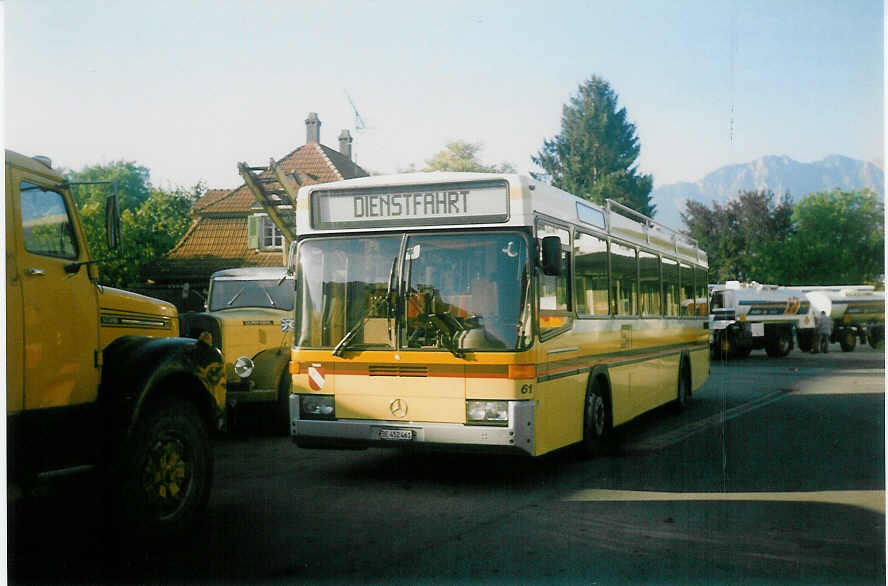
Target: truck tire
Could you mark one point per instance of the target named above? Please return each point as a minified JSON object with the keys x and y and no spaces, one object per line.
{"x":166,"y":470}
{"x":779,"y":343}
{"x":806,"y":340}
{"x":876,"y":336}
{"x":847,"y":340}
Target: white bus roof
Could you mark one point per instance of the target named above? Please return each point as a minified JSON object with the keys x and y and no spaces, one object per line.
{"x":369,"y":204}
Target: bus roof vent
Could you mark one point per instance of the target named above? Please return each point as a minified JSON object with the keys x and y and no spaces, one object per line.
{"x":732,"y":284}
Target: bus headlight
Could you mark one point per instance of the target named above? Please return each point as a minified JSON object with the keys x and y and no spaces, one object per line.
{"x":487,"y":412}
{"x":243,"y":367}
{"x":316,"y":407}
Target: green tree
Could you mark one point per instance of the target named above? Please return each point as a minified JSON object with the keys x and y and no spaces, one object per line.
{"x":152,"y":220}
{"x":595,"y":154}
{"x":743,"y":237}
{"x":460,"y":155}
{"x":838,"y":238}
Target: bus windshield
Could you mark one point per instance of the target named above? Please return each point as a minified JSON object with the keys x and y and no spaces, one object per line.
{"x":450,"y":292}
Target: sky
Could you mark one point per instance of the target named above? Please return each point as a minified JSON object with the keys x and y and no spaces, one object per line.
{"x":189,"y":88}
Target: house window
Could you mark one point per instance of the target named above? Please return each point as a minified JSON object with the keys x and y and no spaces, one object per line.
{"x":271,"y":237}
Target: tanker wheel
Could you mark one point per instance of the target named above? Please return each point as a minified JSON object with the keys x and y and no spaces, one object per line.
{"x":847,"y":340}
{"x":779,"y":344}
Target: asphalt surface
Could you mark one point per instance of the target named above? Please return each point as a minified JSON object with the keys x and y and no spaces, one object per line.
{"x":774,"y":475}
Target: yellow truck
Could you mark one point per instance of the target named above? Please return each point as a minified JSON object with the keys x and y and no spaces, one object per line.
{"x":249,"y":312}
{"x":98,"y":379}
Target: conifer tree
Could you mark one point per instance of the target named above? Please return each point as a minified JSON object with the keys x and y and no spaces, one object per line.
{"x":595,"y":154}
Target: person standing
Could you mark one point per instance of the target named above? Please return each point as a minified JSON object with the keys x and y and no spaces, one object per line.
{"x":824,"y":330}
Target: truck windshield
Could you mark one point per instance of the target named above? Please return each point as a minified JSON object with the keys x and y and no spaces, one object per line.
{"x":271,"y":293}
{"x":448,"y":292}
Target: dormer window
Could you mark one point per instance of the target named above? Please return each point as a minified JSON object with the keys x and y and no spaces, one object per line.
{"x":263,"y":234}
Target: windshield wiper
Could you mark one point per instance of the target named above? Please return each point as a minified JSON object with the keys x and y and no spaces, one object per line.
{"x":447,"y":326}
{"x":350,"y":335}
{"x":236,"y":295}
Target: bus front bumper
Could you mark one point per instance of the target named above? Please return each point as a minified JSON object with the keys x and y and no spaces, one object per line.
{"x":517,"y":436}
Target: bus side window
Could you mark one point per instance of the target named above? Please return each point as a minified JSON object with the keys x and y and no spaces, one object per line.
{"x":590,"y":262}
{"x":555,"y":291}
{"x":649,"y":287}
{"x":671,"y":294}
{"x":686,"y":274}
{"x":624,"y":285}
{"x":701,"y":278}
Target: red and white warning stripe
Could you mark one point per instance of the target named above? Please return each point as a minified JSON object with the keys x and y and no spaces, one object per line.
{"x":316,"y":378}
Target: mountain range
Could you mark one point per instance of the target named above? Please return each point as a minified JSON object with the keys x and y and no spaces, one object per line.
{"x":779,"y":174}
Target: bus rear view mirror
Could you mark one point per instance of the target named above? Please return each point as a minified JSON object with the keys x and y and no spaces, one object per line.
{"x":551,"y":256}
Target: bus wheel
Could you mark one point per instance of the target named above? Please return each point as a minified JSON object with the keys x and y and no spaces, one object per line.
{"x":282,"y":406}
{"x":847,"y":340}
{"x":683,"y":396}
{"x":167,"y":470}
{"x":875,"y":338}
{"x":597,"y":422}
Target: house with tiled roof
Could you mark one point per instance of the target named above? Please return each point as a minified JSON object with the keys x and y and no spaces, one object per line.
{"x":230,"y":228}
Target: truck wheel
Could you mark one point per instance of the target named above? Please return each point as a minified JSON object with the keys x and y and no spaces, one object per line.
{"x":282,"y":406}
{"x":779,"y":344}
{"x":806,"y":340}
{"x":167,"y":470}
{"x":597,"y":420}
{"x":875,"y":338}
{"x":847,"y":340}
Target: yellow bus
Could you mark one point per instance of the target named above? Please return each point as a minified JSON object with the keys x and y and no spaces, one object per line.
{"x":486,"y":311}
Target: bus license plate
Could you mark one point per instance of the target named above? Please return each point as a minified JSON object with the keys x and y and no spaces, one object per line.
{"x":396,"y":434}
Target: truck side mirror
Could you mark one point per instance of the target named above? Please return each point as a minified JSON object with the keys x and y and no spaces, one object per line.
{"x":112,"y":222}
{"x":551,"y":261}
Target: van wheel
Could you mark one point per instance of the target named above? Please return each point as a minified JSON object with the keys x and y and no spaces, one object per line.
{"x":282,"y":406}
{"x":167,"y":470}
{"x":597,"y":420}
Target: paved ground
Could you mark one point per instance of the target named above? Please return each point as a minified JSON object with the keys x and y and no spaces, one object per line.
{"x":774,"y":475}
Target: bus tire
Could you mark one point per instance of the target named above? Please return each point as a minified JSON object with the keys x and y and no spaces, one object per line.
{"x":282,"y":405}
{"x":683,"y":394}
{"x":847,"y":340}
{"x":166,"y":471}
{"x":597,"y":420}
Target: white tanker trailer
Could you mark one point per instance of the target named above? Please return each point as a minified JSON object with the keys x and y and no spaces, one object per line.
{"x":748,"y":316}
{"x":857,"y":313}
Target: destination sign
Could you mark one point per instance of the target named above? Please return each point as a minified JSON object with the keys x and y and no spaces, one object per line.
{"x":451,"y":203}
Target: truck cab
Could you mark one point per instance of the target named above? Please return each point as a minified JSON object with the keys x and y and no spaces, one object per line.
{"x":97,"y":378}
{"x":249,"y":312}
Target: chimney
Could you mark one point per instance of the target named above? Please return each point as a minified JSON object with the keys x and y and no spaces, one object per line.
{"x":345,"y":143}
{"x":312,"y":128}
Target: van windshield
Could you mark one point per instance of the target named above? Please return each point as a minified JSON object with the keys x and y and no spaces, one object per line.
{"x":448,"y":292}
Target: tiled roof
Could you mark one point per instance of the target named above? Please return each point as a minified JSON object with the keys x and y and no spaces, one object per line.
{"x":212,"y":244}
{"x":317,"y":164}
{"x":209,"y":197}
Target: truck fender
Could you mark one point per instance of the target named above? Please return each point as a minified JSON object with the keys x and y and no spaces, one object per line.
{"x":269,"y":365}
{"x":137,"y":368}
